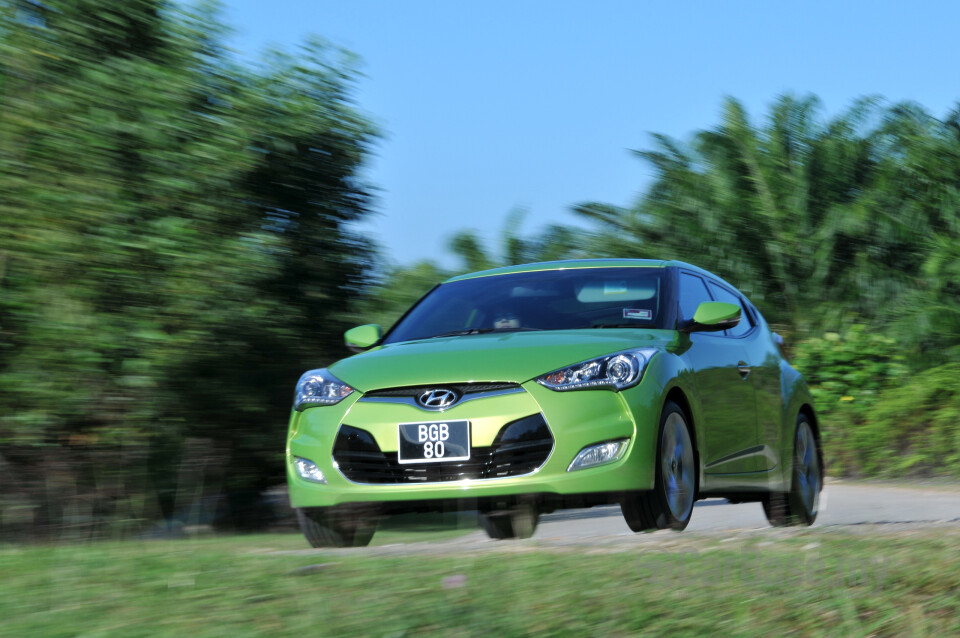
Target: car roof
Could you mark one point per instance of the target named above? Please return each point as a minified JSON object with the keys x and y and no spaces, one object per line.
{"x":572,"y":264}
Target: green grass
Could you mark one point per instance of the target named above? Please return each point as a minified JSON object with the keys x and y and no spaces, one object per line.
{"x":811,"y":582}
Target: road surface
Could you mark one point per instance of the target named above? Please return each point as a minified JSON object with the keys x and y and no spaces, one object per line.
{"x":846,"y":507}
{"x":841,"y":504}
{"x":849,"y":507}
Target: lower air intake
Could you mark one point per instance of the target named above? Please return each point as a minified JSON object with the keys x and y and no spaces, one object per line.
{"x":521,"y":447}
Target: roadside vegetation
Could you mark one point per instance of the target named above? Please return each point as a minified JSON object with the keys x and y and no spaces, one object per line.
{"x":178,"y":243}
{"x":880,"y":416}
{"x":802,"y":582}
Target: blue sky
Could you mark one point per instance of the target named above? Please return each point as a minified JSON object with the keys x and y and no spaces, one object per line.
{"x":490,"y":106}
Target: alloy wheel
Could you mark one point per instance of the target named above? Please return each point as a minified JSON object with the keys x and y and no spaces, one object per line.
{"x":677,"y":466}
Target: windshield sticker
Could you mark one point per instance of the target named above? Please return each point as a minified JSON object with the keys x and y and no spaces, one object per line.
{"x":637,"y":313}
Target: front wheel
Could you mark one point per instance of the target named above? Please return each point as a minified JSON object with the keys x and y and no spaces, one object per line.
{"x":670,"y":504}
{"x":801,"y":504}
{"x":324,"y":528}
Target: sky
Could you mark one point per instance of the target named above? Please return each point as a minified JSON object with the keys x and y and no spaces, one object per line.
{"x":488,"y":107}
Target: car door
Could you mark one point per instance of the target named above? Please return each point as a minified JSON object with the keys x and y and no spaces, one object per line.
{"x":728,"y":420}
{"x":763,"y":360}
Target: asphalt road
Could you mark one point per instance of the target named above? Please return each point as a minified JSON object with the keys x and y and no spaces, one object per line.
{"x":841,"y":505}
{"x":845,"y":507}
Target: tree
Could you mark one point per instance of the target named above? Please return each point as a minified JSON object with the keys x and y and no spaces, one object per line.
{"x":820,"y":222}
{"x":553,"y":242}
{"x":175,"y":248}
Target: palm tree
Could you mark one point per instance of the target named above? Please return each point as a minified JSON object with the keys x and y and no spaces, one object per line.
{"x":818,"y":221}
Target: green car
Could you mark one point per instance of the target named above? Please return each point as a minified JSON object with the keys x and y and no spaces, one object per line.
{"x":522,"y":390}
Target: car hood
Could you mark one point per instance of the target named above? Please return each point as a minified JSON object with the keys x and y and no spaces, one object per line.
{"x":512,"y":356}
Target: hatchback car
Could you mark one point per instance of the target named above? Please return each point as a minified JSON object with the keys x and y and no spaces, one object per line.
{"x":522,"y":390}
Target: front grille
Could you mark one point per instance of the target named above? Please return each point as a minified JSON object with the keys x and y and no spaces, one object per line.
{"x":519,"y":448}
{"x":459,"y":388}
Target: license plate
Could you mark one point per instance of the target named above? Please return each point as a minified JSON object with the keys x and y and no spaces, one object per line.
{"x":434,"y":442}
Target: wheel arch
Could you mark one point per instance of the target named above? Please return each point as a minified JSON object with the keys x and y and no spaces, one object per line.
{"x":678,"y":396}
{"x":807,"y":410}
{"x":797,"y":399}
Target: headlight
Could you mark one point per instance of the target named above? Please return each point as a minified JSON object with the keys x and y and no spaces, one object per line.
{"x":319,"y":387}
{"x":615,"y":371}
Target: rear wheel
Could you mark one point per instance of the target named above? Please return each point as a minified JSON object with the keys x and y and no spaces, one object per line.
{"x":519,"y":521}
{"x":325,"y":528}
{"x":670,"y":504}
{"x":801,"y":504}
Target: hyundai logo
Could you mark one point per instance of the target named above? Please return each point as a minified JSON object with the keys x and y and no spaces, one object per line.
{"x":438,"y":398}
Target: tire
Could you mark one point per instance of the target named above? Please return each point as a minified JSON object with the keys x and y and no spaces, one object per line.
{"x":670,"y":504}
{"x":323,"y":528}
{"x":519,"y":521}
{"x":801,"y":504}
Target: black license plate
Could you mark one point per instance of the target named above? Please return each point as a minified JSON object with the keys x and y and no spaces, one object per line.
{"x":434,"y":442}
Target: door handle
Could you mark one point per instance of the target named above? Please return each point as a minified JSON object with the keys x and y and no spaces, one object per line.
{"x":743,"y":369}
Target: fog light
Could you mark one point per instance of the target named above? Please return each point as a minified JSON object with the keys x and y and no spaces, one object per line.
{"x":599,"y":454}
{"x":309,"y":471}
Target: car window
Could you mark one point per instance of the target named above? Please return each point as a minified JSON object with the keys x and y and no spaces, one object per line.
{"x":571,"y":299}
{"x":722,"y":294}
{"x":692,"y":293}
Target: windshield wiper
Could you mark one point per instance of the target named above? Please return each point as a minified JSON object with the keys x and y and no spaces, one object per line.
{"x":523,"y":329}
{"x":460,"y":333}
{"x":619,"y":325}
{"x":479,"y":331}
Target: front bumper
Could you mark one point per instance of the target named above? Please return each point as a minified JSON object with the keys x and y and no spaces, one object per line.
{"x":576,"y":419}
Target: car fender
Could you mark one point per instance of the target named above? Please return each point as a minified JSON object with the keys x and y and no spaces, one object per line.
{"x":673,"y":374}
{"x":795,"y":394}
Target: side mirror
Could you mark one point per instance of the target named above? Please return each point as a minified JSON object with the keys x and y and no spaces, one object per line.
{"x":362,"y":337}
{"x":713,"y":316}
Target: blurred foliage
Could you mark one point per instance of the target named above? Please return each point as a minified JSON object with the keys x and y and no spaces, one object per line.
{"x":822,"y":223}
{"x":879,"y":418}
{"x":175,"y":249}
{"x":847,"y":374}
{"x":914,"y":429}
{"x":852,"y":368}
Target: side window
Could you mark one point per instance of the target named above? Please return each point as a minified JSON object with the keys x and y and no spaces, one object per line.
{"x":722,"y":294}
{"x":692,"y":293}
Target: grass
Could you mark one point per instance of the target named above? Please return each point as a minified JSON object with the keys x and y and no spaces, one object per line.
{"x":809,"y":582}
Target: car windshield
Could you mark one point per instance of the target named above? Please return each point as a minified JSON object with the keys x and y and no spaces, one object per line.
{"x":545,"y":300}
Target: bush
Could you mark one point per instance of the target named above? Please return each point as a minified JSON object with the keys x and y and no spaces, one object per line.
{"x":849,"y":369}
{"x":914,"y":429}
{"x":878,"y":419}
